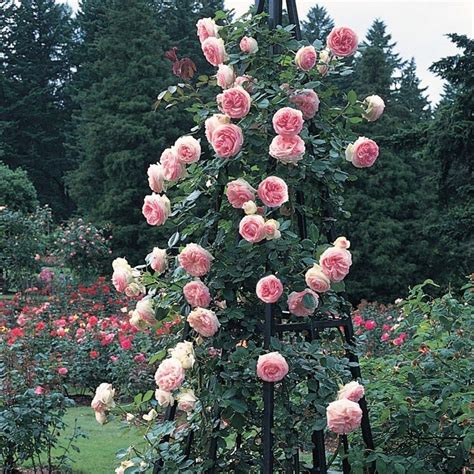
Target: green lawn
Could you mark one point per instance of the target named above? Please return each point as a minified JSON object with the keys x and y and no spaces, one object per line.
{"x":97,"y":452}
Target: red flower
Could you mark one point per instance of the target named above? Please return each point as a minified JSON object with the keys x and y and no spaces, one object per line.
{"x":93,"y":354}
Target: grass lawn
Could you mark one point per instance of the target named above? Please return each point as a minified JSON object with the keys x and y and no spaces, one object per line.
{"x":97,"y":452}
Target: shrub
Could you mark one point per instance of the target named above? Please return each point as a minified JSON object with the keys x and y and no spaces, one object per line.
{"x":17,"y":192}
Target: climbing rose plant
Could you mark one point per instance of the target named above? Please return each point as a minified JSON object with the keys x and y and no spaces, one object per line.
{"x":229,"y":197}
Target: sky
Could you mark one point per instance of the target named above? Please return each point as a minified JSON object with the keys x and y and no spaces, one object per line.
{"x":418,"y":27}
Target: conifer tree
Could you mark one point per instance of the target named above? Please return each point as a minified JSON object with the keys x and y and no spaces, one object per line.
{"x":317,"y":25}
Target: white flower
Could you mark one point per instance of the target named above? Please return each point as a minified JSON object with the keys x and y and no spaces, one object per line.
{"x":184,"y":352}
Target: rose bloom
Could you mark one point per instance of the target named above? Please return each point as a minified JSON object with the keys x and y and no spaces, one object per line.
{"x":62,"y":371}
{"x":225,"y":76}
{"x":186,"y":401}
{"x":104,"y":397}
{"x":296,"y":303}
{"x":362,"y":153}
{"x":317,"y":280}
{"x":342,"y":41}
{"x":213,"y":122}
{"x":101,"y":418}
{"x":39,"y":390}
{"x":249,"y":207}
{"x":227,"y":140}
{"x":335,"y":263}
{"x":307,"y":101}
{"x":273,"y":191}
{"x":288,"y":122}
{"x":214,"y":50}
{"x":272,"y":367}
{"x":195,"y":260}
{"x":252,"y":228}
{"x":287,"y":149}
{"x":184,"y":352}
{"x":342,"y":243}
{"x":157,"y":260}
{"x":248,"y":45}
{"x":269,"y":289}
{"x":170,"y":375}
{"x":305,"y":58}
{"x":188,"y":149}
{"x":234,"y":102}
{"x":374,"y":108}
{"x":239,"y":192}
{"x":206,"y":27}
{"x":245,"y":81}
{"x":144,"y":308}
{"x":344,"y":416}
{"x":271,"y":229}
{"x":197,"y":294}
{"x":370,"y":325}
{"x":156,"y":209}
{"x":353,"y":391}
{"x":122,"y":276}
{"x":203,"y":321}
{"x":163,"y":398}
{"x":156,"y":178}
{"x":324,"y":60}
{"x":173,"y":169}
{"x":385,"y":337}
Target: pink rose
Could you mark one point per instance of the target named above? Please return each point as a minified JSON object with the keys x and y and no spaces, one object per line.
{"x":245,"y":81}
{"x":305,"y":58}
{"x":39,"y":390}
{"x":186,"y":401}
{"x":362,"y":153}
{"x":197,"y":294}
{"x":203,"y":321}
{"x":272,"y":229}
{"x":62,"y":371}
{"x":170,"y":375}
{"x":173,"y":169}
{"x":296,"y":303}
{"x":374,"y":108}
{"x":121,"y":278}
{"x":195,"y":260}
{"x":156,"y":209}
{"x":344,"y":416}
{"x":227,"y":140}
{"x":273,"y":191}
{"x":188,"y":149}
{"x":239,"y":192}
{"x":225,"y":76}
{"x":252,"y":228}
{"x":272,"y":367}
{"x":156,"y":178}
{"x":144,"y":309}
{"x":324,"y":60}
{"x":307,"y":101}
{"x":213,"y":122}
{"x":385,"y":337}
{"x":370,"y":325}
{"x":335,"y":263}
{"x":235,"y":102}
{"x":342,"y":41}
{"x":287,"y":149}
{"x":317,"y":280}
{"x":269,"y":289}
{"x":206,"y":27}
{"x":157,"y":260}
{"x":342,"y":243}
{"x":214,"y":50}
{"x":288,"y":122}
{"x":353,"y":391}
{"x":248,"y":45}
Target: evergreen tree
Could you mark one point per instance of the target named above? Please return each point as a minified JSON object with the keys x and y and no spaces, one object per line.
{"x":317,"y":25}
{"x":35,"y":37}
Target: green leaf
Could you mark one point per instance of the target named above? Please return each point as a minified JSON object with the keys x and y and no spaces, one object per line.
{"x":157,"y":357}
{"x":338,"y":286}
{"x":147,"y":396}
{"x":352,"y":97}
{"x":355,"y":119}
{"x":309,"y":301}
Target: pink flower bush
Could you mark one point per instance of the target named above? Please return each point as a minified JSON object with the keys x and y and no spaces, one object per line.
{"x":169,"y":375}
{"x":206,"y":27}
{"x":227,"y":140}
{"x":188,"y":149}
{"x":157,"y":260}
{"x":307,"y":101}
{"x":335,"y":263}
{"x":156,"y":178}
{"x":287,"y":149}
{"x":203,"y":321}
{"x":252,"y":228}
{"x":272,"y":367}
{"x":195,"y":260}
{"x":362,"y":153}
{"x":234,"y":102}
{"x":273,"y":191}
{"x":156,"y":209}
{"x":296,"y":303}
{"x":352,"y":391}
{"x":305,"y":58}
{"x":214,"y":50}
{"x":173,"y":169}
{"x":288,"y":122}
{"x":239,"y":192}
{"x":197,"y":294}
{"x":225,"y":76}
{"x":374,"y":107}
{"x":342,"y":41}
{"x":248,"y":45}
{"x":213,"y":122}
{"x":317,"y":280}
{"x":343,"y":416}
{"x":269,"y":289}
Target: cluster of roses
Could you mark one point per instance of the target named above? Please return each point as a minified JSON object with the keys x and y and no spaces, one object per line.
{"x":103,"y":401}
